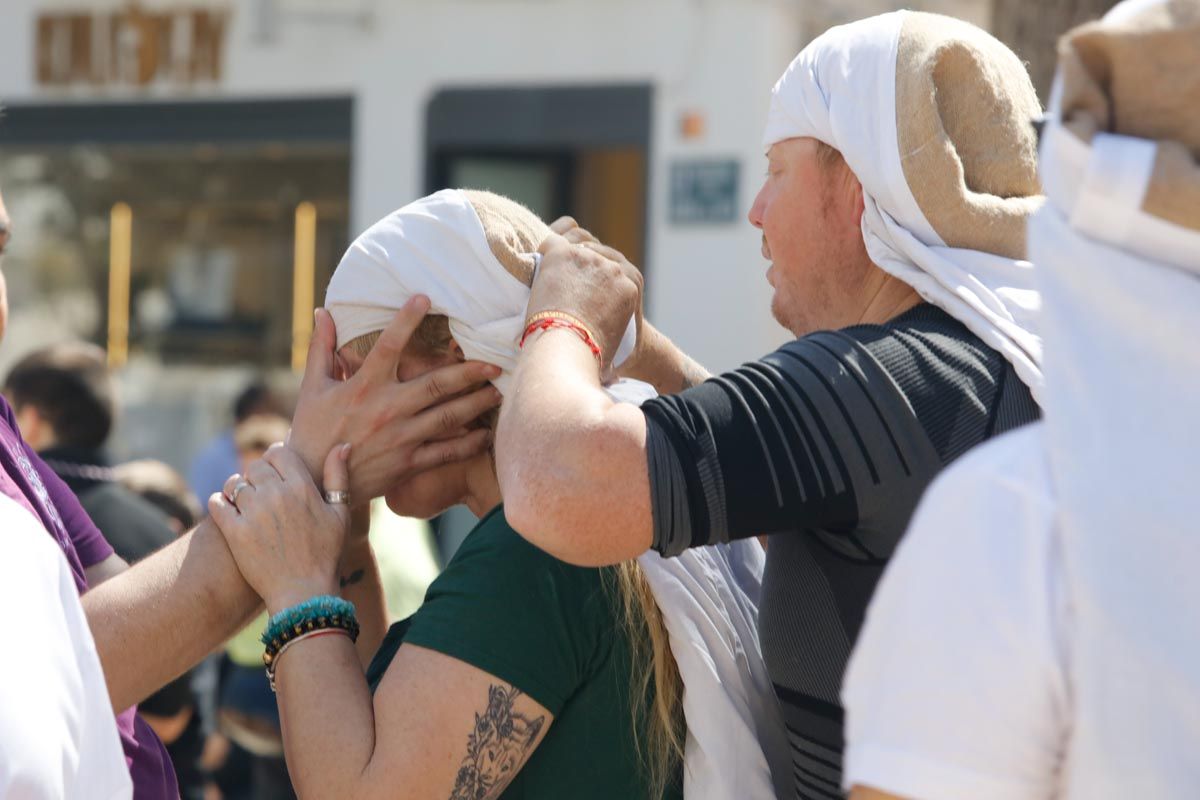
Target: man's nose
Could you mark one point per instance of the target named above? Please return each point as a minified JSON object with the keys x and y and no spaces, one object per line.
{"x":756,"y":210}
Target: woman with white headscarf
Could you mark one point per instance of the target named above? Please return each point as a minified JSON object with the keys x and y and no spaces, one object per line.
{"x":521,"y":676}
{"x":1036,"y":636}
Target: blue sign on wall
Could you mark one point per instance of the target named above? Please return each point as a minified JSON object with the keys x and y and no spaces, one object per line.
{"x":704,"y":191}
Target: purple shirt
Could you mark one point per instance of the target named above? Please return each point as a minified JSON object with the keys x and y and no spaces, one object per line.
{"x":28,"y":481}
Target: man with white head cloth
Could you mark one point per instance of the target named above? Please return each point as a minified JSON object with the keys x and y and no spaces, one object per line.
{"x":1035,"y":635}
{"x":901,"y":173}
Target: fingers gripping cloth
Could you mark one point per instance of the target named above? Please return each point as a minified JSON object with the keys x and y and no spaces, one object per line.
{"x":473,"y":254}
{"x":933,"y":117}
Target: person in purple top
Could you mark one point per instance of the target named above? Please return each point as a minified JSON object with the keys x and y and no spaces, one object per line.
{"x":155,"y":620}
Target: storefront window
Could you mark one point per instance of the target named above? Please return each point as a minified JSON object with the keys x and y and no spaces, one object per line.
{"x":211,"y":244}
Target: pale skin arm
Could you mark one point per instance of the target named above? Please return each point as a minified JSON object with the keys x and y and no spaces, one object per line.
{"x":156,"y":620}
{"x":421,"y":734}
{"x":572,"y":463}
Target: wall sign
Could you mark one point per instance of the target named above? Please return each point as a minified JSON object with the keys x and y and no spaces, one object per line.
{"x":130,"y":47}
{"x":704,"y":191}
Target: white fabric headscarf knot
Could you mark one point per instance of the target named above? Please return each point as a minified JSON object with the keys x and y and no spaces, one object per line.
{"x":437,"y":246}
{"x":842,"y":90}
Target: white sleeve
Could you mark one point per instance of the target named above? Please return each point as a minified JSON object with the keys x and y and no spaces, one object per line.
{"x":955,"y":688}
{"x":58,"y":734}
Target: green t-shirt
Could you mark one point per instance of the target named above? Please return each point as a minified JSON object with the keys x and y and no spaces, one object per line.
{"x":550,"y":630}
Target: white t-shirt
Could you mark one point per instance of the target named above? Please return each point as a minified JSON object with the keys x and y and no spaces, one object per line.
{"x":58,"y":735}
{"x":961,"y":684}
{"x":957,"y":686}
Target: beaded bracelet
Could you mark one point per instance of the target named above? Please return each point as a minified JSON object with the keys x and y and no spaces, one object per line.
{"x":325,"y":612}
{"x":274,"y":665}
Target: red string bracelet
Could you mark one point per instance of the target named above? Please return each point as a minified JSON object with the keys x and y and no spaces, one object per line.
{"x":546,"y":320}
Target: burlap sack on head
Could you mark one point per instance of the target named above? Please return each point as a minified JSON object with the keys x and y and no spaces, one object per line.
{"x":964,"y":113}
{"x":1141,"y":78}
{"x":513,"y":232}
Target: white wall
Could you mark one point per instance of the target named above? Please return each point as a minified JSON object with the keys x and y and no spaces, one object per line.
{"x":717,"y":57}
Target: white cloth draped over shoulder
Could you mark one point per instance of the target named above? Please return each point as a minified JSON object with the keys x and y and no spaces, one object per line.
{"x":1118,"y":254}
{"x":842,"y":89}
{"x":437,"y":246}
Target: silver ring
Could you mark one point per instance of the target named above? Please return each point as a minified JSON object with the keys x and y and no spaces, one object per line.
{"x":237,"y":490}
{"x":337,"y":498}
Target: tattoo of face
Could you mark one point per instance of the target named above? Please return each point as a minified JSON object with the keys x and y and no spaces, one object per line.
{"x":352,"y":578}
{"x":497,"y":748}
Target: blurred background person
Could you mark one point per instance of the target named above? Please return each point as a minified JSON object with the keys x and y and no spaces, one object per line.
{"x":200,"y":749}
{"x":162,"y":486}
{"x":220,"y":458}
{"x":65,"y":404}
{"x":254,"y":767}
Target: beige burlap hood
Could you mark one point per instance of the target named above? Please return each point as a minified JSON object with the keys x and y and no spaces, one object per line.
{"x":934,"y":117}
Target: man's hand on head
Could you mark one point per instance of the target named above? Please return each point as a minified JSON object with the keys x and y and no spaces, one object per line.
{"x":655,"y":360}
{"x":396,"y":428}
{"x":593,"y":283}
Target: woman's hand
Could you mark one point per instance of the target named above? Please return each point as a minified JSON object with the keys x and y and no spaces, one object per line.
{"x":286,"y":539}
{"x":397,"y":428}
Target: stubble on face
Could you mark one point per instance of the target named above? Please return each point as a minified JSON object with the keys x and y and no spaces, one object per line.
{"x":821,"y":265}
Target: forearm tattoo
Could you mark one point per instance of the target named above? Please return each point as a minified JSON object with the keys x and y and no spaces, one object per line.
{"x":352,"y":578}
{"x":497,"y":748}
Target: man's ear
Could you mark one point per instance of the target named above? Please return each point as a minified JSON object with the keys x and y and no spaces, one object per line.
{"x":857,"y":203}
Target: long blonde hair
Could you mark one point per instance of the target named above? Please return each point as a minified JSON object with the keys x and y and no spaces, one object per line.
{"x":656,"y":690}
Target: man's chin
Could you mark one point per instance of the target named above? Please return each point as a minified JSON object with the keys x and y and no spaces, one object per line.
{"x":794,"y":323}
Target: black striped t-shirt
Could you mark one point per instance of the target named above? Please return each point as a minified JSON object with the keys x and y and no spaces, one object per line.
{"x":826,"y":446}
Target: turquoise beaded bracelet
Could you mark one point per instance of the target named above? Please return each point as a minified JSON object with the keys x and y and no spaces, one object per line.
{"x":314,"y":614}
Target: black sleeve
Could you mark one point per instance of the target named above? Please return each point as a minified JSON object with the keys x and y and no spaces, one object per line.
{"x":816,"y":436}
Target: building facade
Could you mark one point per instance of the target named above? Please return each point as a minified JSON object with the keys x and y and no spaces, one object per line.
{"x":184,"y":174}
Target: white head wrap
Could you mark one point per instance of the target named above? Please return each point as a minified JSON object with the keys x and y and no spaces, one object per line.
{"x":1118,"y":253}
{"x":843,"y":90}
{"x":436,"y":246}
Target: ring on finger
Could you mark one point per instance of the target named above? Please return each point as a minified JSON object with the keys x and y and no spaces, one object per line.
{"x":337,"y":497}
{"x":238,"y":488}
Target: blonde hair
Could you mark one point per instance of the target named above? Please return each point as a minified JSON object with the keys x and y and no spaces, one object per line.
{"x":656,"y":694}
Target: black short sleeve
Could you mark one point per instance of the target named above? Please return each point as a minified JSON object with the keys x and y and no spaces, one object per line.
{"x":836,"y":432}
